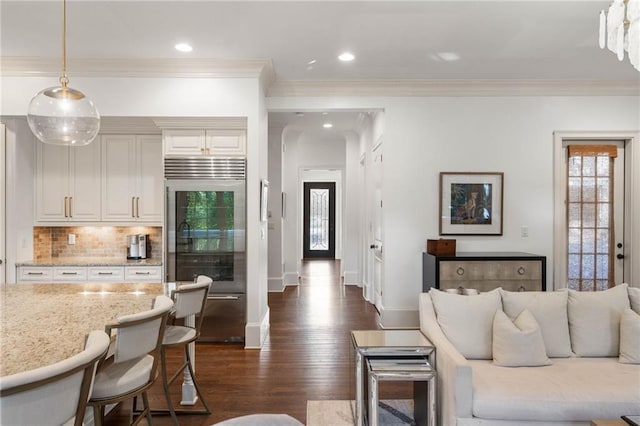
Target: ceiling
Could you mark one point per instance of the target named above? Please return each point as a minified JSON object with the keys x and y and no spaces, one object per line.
{"x":391,"y":40}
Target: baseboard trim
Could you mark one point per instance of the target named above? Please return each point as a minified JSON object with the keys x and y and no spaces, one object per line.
{"x":290,"y":278}
{"x":351,"y":278}
{"x":256,"y":332}
{"x":275,"y":284}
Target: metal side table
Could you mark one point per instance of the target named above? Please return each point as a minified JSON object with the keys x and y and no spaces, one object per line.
{"x":388,"y":344}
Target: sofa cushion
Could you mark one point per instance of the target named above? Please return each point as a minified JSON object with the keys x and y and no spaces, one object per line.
{"x":518,"y":343}
{"x":571,"y":389}
{"x":630,"y":338}
{"x":467,"y":321}
{"x":634,"y":298}
{"x":550,"y":311}
{"x":594,"y":320}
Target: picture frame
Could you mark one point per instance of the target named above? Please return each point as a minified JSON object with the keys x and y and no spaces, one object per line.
{"x":471,"y":203}
{"x":264,"y":199}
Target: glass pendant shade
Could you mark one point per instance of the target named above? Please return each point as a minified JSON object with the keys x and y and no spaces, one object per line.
{"x":63,"y":116}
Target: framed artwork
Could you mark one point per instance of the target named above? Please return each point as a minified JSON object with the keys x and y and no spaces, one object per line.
{"x":471,"y":203}
{"x":264,"y":198}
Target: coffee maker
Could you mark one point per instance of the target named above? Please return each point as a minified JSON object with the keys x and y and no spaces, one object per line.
{"x":138,"y":246}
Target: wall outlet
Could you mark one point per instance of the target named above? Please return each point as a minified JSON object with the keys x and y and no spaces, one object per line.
{"x":72,"y":239}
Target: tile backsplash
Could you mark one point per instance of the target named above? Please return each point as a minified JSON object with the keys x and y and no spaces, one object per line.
{"x":91,"y":241}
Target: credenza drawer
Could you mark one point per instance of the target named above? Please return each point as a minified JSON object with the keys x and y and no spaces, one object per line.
{"x":106,"y":273}
{"x":143,"y":273}
{"x":496,"y":270}
{"x":69,"y":273}
{"x":34,"y":273}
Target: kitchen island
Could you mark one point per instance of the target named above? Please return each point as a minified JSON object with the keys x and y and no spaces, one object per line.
{"x":45,"y":323}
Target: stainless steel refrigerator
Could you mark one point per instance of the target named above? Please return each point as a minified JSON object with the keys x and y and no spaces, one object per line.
{"x":205,"y":235}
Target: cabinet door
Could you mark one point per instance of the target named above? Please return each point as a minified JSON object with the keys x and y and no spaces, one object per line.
{"x":118,"y":178}
{"x":52,"y":182}
{"x":84,"y":181}
{"x":226,"y":143}
{"x":150,"y":180}
{"x":184,"y":142}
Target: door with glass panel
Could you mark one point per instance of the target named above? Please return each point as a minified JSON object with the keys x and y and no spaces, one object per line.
{"x":319,"y":235}
{"x":595,"y":215}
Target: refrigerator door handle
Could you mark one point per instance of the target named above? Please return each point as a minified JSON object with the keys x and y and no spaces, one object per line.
{"x":223,"y":297}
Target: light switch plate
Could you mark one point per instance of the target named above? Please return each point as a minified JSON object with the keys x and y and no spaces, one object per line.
{"x":72,"y":239}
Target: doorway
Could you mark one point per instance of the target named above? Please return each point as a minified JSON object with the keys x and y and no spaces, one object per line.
{"x":319,"y":232}
{"x":592,"y":212}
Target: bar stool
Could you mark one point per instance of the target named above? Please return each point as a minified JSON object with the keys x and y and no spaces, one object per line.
{"x":189,"y":299}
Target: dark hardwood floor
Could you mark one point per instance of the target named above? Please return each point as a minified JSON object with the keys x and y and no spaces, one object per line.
{"x":308,"y":355}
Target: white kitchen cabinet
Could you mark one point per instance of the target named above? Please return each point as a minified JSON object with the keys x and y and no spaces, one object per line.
{"x":105,"y":273}
{"x":214,"y":142}
{"x":132,"y":179}
{"x":143,"y":273}
{"x":69,"y":273}
{"x":66,"y":183}
{"x":35,"y":273}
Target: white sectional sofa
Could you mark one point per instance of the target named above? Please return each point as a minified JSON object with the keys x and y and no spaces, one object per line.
{"x":552,"y":358}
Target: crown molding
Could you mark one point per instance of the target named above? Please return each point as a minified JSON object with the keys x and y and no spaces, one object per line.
{"x":426,"y":88}
{"x":136,"y":67}
{"x":201,"y":122}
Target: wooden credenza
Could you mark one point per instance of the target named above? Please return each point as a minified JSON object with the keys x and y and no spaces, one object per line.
{"x":512,"y":271}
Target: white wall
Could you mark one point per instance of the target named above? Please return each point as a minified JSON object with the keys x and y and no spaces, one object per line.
{"x":424,"y":136}
{"x":179,"y":97}
{"x":275,"y":272}
{"x":20,"y":184}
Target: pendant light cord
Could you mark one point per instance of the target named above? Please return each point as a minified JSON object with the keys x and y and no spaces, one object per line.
{"x":64,"y":79}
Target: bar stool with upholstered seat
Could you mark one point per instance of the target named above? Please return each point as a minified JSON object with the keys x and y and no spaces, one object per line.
{"x":189,"y":299}
{"x":130,"y":367}
{"x":53,"y":394}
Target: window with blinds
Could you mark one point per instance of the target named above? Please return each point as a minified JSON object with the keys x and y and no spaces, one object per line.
{"x":590,"y":217}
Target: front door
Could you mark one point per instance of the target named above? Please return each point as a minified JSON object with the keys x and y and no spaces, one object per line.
{"x":319,"y":220}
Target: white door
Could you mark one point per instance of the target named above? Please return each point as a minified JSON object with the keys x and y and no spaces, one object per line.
{"x":377,"y":245}
{"x":150,"y":185}
{"x":118,"y":178}
{"x":590,"y":255}
{"x":3,"y":211}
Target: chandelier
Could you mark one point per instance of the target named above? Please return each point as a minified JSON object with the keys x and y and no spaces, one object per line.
{"x":620,"y":30}
{"x":62,"y":115}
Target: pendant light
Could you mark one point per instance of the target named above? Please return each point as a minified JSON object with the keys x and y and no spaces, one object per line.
{"x":62,"y":115}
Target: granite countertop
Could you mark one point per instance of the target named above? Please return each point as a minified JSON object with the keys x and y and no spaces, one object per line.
{"x":92,"y":261}
{"x":46,"y":323}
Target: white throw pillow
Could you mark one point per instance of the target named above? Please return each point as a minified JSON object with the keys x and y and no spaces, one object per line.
{"x":634,"y":298}
{"x":467,"y":321}
{"x":594,"y":320}
{"x":518,"y":343}
{"x":629,"y":337}
{"x":550,"y":311}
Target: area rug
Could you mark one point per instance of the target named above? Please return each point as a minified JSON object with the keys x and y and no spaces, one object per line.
{"x":392,"y":412}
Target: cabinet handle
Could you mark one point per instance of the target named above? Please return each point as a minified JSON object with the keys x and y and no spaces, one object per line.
{"x":66,"y":214}
{"x":208,"y":151}
{"x":35,"y":273}
{"x":69,"y":273}
{"x":142,"y":273}
{"x":133,"y":206}
{"x":202,"y":150}
{"x":521,"y":270}
{"x":105,"y":273}
{"x":70,"y":206}
{"x":460,"y":271}
{"x":137,"y":206}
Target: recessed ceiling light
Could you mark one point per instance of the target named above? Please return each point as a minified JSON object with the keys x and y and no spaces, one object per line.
{"x":445,"y":56}
{"x":183,"y":47}
{"x":311,"y":62}
{"x":346,"y":57}
{"x":327,"y":125}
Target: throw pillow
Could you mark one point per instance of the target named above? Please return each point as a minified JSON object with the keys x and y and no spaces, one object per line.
{"x":634,"y":298}
{"x":550,"y":311}
{"x":518,"y":343}
{"x":629,"y":337}
{"x":467,"y":321}
{"x":594,"y":320}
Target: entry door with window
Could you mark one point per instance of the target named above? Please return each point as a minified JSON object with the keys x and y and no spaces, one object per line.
{"x":595,"y":215}
{"x":319,"y":234}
